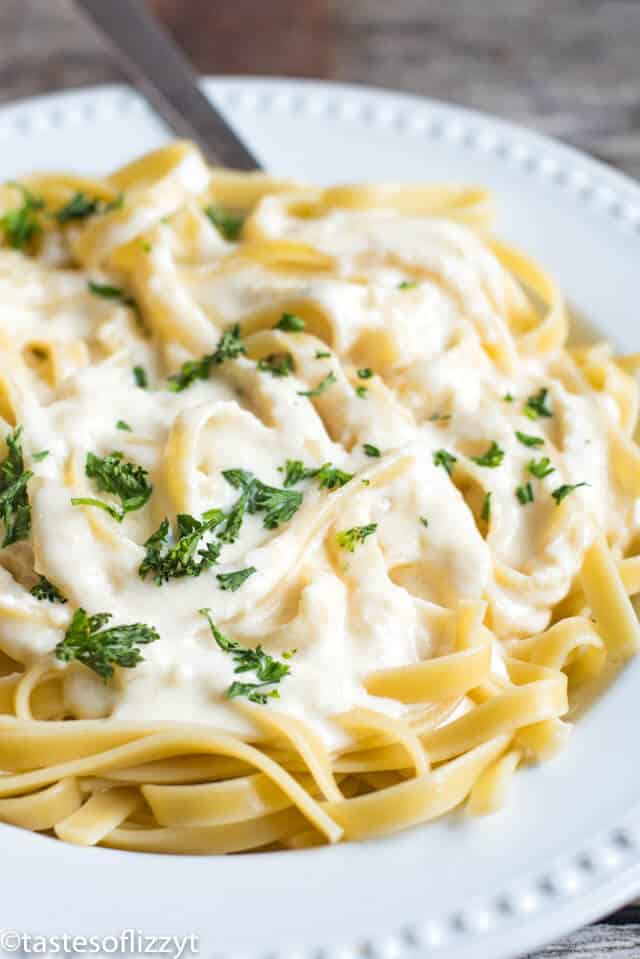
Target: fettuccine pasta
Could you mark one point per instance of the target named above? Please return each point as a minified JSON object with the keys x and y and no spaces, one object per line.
{"x":312,"y":521}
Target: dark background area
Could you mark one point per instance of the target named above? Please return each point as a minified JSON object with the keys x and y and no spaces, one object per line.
{"x":570,"y":68}
{"x":567,"y":67}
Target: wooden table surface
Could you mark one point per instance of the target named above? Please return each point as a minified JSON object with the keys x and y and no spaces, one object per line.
{"x":570,"y":68}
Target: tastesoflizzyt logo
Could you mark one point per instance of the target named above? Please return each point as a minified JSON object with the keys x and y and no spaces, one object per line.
{"x":127,"y":942}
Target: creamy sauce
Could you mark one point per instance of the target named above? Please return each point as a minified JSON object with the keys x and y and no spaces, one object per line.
{"x":437,"y":385}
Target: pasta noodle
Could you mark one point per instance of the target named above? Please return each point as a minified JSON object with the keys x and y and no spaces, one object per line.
{"x":312,"y":520}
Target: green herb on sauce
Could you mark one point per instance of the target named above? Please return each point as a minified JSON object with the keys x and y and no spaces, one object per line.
{"x":350,"y":538}
{"x":491,"y":458}
{"x":46,"y":590}
{"x":102,"y":649}
{"x":268,"y":670}
{"x":230,"y":347}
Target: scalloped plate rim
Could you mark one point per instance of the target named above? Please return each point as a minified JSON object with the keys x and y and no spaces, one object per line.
{"x":524,"y":929}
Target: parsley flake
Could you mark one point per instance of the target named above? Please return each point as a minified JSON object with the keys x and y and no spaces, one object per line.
{"x":278,"y":505}
{"x":233,"y":581}
{"x":370,"y":449}
{"x":38,"y":457}
{"x":102,"y":649}
{"x":365,"y":373}
{"x":328,"y":476}
{"x":183,"y":558}
{"x":15,"y":510}
{"x":140,"y":376}
{"x":444,"y":459}
{"x":322,"y":354}
{"x":563,"y":491}
{"x":79,"y":207}
{"x":278,"y":364}
{"x":491,"y":458}
{"x":109,"y":292}
{"x":45,"y":590}
{"x":536,"y":405}
{"x":349,"y":538}
{"x":228,"y":223}
{"x":524,"y":494}
{"x":22,"y":225}
{"x":113,"y":474}
{"x":322,"y":386}
{"x":123,"y":425}
{"x":407,"y":285}
{"x":528,"y":440}
{"x":230,"y":347}
{"x":540,"y":468}
{"x":290,"y":323}
{"x":268,"y":670}
{"x":486,"y":508}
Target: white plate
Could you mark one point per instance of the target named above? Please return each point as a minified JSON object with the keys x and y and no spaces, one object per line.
{"x":567,"y":847}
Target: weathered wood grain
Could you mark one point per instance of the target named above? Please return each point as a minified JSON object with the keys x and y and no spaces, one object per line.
{"x":570,"y":68}
{"x":602,"y":941}
{"x":567,"y":67}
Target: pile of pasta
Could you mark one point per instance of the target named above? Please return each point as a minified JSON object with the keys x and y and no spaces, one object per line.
{"x":485,"y":595}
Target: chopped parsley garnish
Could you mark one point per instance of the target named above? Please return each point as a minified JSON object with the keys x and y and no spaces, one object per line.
{"x":365,"y":373}
{"x":15,"y":510}
{"x":349,"y":538}
{"x":278,"y":364}
{"x":102,"y":649}
{"x":123,"y":425}
{"x":183,"y":558}
{"x":278,"y":505}
{"x":38,"y":457}
{"x":43,"y":589}
{"x":370,"y":449}
{"x":540,"y":468}
{"x":328,"y":476}
{"x":190,"y":555}
{"x":322,"y":354}
{"x":22,"y":225}
{"x":79,"y":207}
{"x":109,"y":292}
{"x":524,"y":494}
{"x":140,"y":376}
{"x":228,"y":223}
{"x":361,"y":391}
{"x":508,"y":397}
{"x":407,"y":285}
{"x":233,"y":581}
{"x":486,"y":508}
{"x":268,"y":670}
{"x":295,"y":472}
{"x":230,"y":347}
{"x":562,"y":491}
{"x":322,"y":387}
{"x":444,"y":459}
{"x":440,"y":417}
{"x":290,"y":323}
{"x":492,"y":457}
{"x":536,"y":405}
{"x":113,"y":474}
{"x":424,"y":521}
{"x":528,"y":440}
{"x":113,"y":511}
